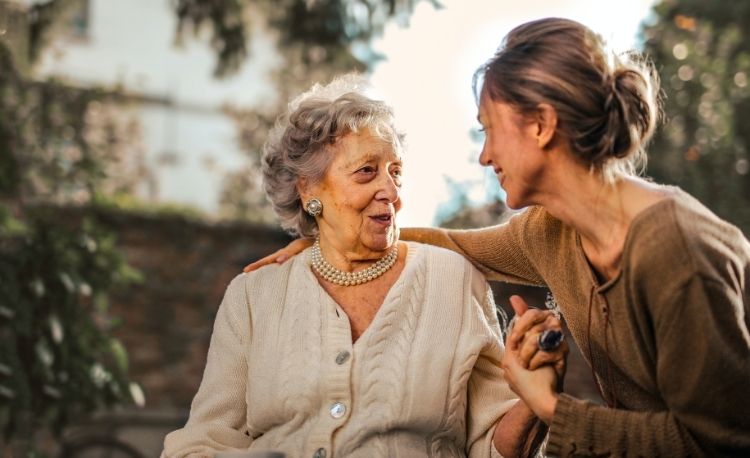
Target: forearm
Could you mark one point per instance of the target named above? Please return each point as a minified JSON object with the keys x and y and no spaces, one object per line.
{"x":495,"y":251}
{"x":429,"y":236}
{"x":519,"y":432}
{"x":582,"y":425}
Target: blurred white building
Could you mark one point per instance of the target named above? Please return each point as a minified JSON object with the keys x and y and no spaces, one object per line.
{"x":189,"y":143}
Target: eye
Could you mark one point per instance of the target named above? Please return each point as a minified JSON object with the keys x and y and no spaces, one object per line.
{"x":367,"y":170}
{"x":396,"y":174}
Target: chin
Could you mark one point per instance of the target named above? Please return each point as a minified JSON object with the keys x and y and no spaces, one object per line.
{"x":513,"y":205}
{"x":384,"y":241}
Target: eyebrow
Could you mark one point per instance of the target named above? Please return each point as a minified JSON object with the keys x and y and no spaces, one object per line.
{"x":370,"y":157}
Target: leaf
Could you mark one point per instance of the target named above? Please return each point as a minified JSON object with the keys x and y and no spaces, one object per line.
{"x":120,"y":354}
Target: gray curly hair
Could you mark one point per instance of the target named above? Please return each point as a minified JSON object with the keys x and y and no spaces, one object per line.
{"x":299,"y":145}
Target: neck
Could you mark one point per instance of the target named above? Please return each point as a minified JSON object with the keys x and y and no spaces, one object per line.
{"x":349,"y":257}
{"x":599,"y":211}
{"x":596,"y":209}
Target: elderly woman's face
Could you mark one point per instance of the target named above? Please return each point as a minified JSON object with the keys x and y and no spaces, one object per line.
{"x":360,"y":194}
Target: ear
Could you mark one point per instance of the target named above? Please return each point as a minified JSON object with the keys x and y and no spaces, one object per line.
{"x":546,"y":124}
{"x":303,"y":188}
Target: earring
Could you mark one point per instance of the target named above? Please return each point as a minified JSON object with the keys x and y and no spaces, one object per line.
{"x":314,"y":207}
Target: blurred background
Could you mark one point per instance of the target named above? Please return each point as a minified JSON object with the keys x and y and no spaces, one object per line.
{"x":130,"y":189}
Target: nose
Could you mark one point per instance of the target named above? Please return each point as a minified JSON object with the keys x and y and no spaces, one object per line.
{"x":484,"y":156}
{"x":389,"y":189}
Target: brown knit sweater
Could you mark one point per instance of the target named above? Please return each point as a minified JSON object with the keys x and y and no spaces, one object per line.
{"x":667,"y":337}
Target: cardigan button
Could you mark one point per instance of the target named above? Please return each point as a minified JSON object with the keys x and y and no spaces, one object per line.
{"x":320,"y":453}
{"x":338,"y":409}
{"x":342,"y":357}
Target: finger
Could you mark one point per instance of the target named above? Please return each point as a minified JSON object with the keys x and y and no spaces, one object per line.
{"x":526,"y":351}
{"x":297,"y":246}
{"x":533,"y":318}
{"x":280,"y":256}
{"x":519,"y":305}
{"x":553,"y":321}
{"x":509,"y":366}
{"x":547,"y":357}
{"x":561,"y":367}
{"x":529,"y":342}
{"x":529,"y":346}
{"x":270,"y":259}
{"x":541,"y":358}
{"x":524,"y":324}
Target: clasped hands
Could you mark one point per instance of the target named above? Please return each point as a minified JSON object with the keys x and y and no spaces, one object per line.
{"x":536,"y":376}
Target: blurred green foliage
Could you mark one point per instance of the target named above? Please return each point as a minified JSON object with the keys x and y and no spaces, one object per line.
{"x":325,"y":30}
{"x":702,"y":52}
{"x":58,"y":360}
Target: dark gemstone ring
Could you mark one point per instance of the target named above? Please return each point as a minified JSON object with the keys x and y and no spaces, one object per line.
{"x":550,"y":339}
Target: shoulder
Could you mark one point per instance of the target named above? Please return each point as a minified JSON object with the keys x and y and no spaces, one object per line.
{"x":701,"y":229}
{"x":271,"y":274}
{"x":261,"y":285}
{"x":443,"y":258}
{"x":683,"y":228}
{"x":453,"y":270}
{"x":681,"y":236}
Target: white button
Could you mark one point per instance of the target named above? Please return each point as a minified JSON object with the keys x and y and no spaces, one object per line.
{"x":338,"y":409}
{"x":342,"y":357}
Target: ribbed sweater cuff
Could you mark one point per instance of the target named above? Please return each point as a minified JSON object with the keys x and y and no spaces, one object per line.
{"x":564,"y":417}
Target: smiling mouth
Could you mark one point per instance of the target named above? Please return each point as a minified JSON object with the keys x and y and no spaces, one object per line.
{"x":385,"y":218}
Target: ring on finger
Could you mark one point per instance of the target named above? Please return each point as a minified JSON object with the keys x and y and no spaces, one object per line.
{"x":550,"y":339}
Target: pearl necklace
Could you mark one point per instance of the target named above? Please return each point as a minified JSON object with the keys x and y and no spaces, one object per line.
{"x":339,"y":277}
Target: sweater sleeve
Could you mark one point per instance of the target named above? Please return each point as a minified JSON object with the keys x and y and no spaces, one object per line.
{"x":489,"y":395}
{"x":218,"y":413}
{"x":702,"y":364}
{"x":499,"y":252}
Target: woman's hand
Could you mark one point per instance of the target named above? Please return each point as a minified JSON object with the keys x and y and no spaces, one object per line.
{"x":534,"y":375}
{"x":281,"y":255}
{"x":537,"y":388}
{"x":523,"y":338}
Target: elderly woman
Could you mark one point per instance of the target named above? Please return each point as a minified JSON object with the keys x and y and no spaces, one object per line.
{"x":363,"y":345}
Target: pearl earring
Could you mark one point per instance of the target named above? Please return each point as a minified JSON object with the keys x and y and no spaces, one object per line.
{"x":314,"y":207}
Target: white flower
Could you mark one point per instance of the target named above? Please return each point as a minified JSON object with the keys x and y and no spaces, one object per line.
{"x":56,"y":329}
{"x":136,"y":392}
{"x":44,"y":354}
{"x":67,"y":282}
{"x":37,"y":287}
{"x":85,"y":289}
{"x":99,"y":375}
{"x":88,"y":243}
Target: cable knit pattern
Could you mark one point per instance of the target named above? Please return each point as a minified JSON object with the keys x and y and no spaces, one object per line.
{"x":386,"y":358}
{"x":424,"y":379}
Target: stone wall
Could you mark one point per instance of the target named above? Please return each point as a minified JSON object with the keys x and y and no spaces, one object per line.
{"x":167,"y":319}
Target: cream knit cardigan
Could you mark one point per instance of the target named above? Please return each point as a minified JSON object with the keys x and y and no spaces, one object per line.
{"x":424,"y":380}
